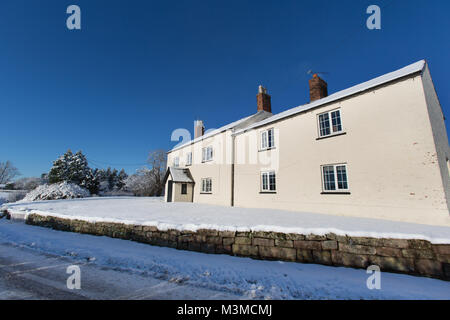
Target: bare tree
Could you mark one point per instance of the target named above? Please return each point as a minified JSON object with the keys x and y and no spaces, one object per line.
{"x":158,"y":161}
{"x":149,"y":181}
{"x":7,"y":172}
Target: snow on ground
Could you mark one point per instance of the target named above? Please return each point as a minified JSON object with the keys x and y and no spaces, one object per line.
{"x":242,"y":277}
{"x":194,"y":216}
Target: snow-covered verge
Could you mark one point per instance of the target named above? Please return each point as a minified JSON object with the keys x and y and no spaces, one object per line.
{"x":11,"y":195}
{"x":250,"y":279}
{"x":194,"y":216}
{"x":63,"y":190}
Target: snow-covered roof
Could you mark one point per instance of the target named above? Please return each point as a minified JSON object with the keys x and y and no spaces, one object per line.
{"x":388,"y":77}
{"x":179,"y":175}
{"x":239,"y":124}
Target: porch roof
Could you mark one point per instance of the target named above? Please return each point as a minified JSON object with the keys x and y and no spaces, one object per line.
{"x":179,"y":175}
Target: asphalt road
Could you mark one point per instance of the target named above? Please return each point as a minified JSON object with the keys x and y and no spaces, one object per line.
{"x":29,"y":274}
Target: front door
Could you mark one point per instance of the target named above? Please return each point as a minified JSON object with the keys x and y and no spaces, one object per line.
{"x":169,"y":191}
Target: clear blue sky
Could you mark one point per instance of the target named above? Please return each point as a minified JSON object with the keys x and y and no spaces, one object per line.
{"x":140,"y":69}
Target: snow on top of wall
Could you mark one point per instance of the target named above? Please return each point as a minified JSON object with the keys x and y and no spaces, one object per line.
{"x":408,"y":70}
{"x":194,"y":216}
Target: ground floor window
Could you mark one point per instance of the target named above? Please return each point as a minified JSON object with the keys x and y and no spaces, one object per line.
{"x":334,"y":177}
{"x":206,"y":185}
{"x":268,"y":181}
{"x":184,"y":188}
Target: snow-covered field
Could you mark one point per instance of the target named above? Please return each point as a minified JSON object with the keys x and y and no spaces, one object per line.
{"x":234,"y":277}
{"x":194,"y":216}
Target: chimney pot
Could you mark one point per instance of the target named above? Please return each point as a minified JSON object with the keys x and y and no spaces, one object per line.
{"x":263,"y":100}
{"x":318,"y":88}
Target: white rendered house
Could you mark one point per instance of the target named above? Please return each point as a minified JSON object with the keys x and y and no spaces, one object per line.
{"x":376,"y":150}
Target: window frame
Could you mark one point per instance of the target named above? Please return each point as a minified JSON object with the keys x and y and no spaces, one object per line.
{"x":268,"y":173}
{"x":264,"y":142}
{"x":330,"y":123}
{"x":205,"y":154}
{"x":335,"y":177}
{"x":176,"y":162}
{"x":204,"y":182}
{"x":184,"y":188}
{"x":189,"y":159}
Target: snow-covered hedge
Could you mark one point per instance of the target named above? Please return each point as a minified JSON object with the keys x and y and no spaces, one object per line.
{"x":56,"y":191}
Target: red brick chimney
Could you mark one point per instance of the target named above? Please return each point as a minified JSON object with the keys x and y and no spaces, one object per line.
{"x":317,"y":88}
{"x":263,"y":100}
{"x":199,"y":129}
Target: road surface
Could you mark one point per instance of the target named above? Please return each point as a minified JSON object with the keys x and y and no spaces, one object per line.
{"x":29,"y":274}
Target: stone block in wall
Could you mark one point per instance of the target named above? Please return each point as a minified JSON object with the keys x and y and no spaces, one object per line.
{"x":429,"y":267}
{"x":284,"y":243}
{"x":322,"y":257}
{"x":264,"y":234}
{"x":227,"y":234}
{"x":395,"y":243}
{"x":208,"y":232}
{"x":442,"y":249}
{"x":418,"y":254}
{"x":393,"y":263}
{"x":315,"y":237}
{"x":263,"y":242}
{"x":389,"y":252}
{"x":304,"y":255}
{"x":214,"y":239}
{"x":199,"y":237}
{"x":246,"y":234}
{"x":329,"y":245}
{"x":365,"y":241}
{"x":356,"y":249}
{"x":419,"y":244}
{"x":245,"y":250}
{"x":224,"y":249}
{"x":185,"y":238}
{"x":228,"y":241}
{"x":194,"y":246}
{"x":243,"y":240}
{"x":288,"y":254}
{"x":290,"y":236}
{"x":340,"y":258}
{"x":305,"y":244}
{"x":149,"y":229}
{"x":443,"y":258}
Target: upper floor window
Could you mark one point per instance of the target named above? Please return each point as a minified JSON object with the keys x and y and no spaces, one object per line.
{"x":329,"y":123}
{"x":176,"y":162}
{"x":267,"y":139}
{"x":207,"y":185}
{"x":207,"y":154}
{"x":334,"y":177}
{"x":189,"y":159}
{"x":268,"y":181}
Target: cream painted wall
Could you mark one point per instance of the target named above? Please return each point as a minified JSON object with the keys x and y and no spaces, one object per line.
{"x":219,"y":169}
{"x":178,"y":197}
{"x":388,"y":147}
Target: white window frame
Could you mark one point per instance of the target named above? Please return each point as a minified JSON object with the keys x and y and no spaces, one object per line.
{"x":330,"y":123}
{"x":205,"y":187}
{"x":189,"y":159}
{"x":265,"y":142}
{"x":207,"y":154}
{"x":335,"y":176}
{"x":176,"y":162}
{"x":267,"y":188}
